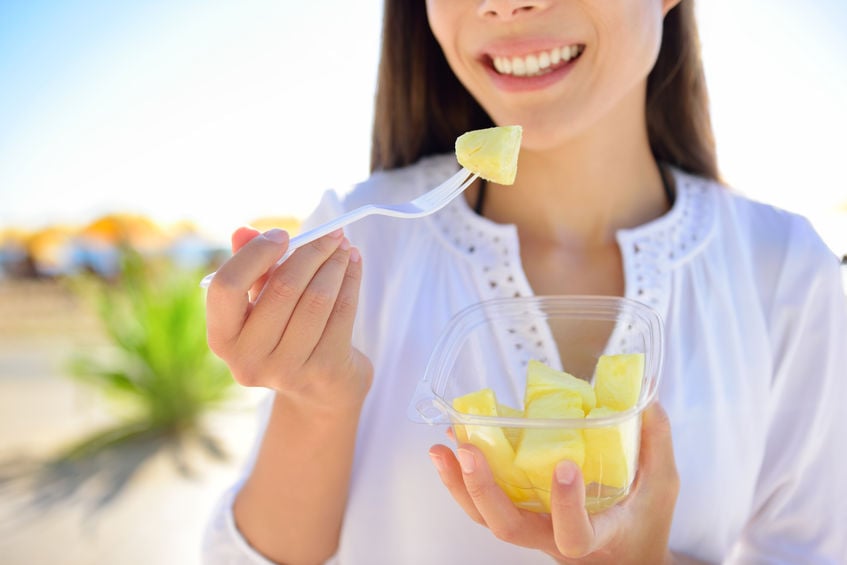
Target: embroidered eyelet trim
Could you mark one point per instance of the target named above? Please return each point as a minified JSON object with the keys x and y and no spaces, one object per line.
{"x":493,"y":253}
{"x":653,"y":250}
{"x":650,"y":254}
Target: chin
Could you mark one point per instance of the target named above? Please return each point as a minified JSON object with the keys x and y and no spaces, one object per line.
{"x":550,"y":135}
{"x":544,"y":130}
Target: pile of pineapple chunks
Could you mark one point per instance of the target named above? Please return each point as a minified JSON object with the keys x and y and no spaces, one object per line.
{"x":523,"y":458}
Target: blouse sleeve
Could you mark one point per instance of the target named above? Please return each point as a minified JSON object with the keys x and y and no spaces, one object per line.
{"x":800,"y":504}
{"x":222,"y":543}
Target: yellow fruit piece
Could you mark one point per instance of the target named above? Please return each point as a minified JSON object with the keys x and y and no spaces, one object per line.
{"x":512,"y":434}
{"x":507,"y":411}
{"x":608,"y":458}
{"x":492,"y":153}
{"x":542,"y":380}
{"x":541,"y":449}
{"x":493,"y":443}
{"x":482,"y":402}
{"x":617,"y":380}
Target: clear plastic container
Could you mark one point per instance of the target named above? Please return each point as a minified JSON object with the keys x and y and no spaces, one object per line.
{"x":490,"y":344}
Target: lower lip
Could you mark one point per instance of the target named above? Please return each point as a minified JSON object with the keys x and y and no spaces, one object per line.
{"x":511,"y":83}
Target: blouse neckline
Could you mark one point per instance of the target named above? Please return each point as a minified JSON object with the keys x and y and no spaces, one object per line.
{"x":650,"y":251}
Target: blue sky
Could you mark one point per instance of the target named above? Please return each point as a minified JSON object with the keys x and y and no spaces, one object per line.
{"x":220,"y":112}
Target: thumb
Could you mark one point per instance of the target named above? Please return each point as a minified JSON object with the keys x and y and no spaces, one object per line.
{"x":657,"y":471}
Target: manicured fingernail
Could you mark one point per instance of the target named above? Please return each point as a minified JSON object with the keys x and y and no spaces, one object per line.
{"x":438,"y":462}
{"x":355,"y":257}
{"x":565,"y":473}
{"x":276,"y":235}
{"x":337,"y":233}
{"x":466,"y":461}
{"x":345,"y":244}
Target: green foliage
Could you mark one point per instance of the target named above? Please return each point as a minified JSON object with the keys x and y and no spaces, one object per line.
{"x":160,"y":365}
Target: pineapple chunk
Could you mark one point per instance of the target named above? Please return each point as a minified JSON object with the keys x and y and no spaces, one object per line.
{"x":617,"y":380}
{"x":492,"y":153}
{"x":507,"y":411}
{"x":541,"y":449}
{"x":606,"y":459}
{"x":493,"y":443}
{"x":512,"y":434}
{"x":482,"y":402}
{"x":541,"y":380}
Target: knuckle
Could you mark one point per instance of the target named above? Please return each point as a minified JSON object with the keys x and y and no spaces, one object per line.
{"x":323,"y":245}
{"x":672,"y":486}
{"x":247,"y":373}
{"x":345,"y":305}
{"x":478,"y":491}
{"x":281,"y":289}
{"x":661,"y":422}
{"x":217,"y":345}
{"x":507,"y":531}
{"x":223,"y":285}
{"x":339,"y":259}
{"x":479,"y":520}
{"x":317,"y":300}
{"x":245,"y":377}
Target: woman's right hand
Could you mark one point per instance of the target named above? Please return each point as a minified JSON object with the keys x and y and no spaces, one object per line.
{"x":289,"y":328}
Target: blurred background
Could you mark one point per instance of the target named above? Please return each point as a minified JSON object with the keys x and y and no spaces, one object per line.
{"x":135,"y":136}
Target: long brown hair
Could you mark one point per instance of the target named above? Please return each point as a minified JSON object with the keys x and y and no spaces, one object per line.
{"x":421,"y":107}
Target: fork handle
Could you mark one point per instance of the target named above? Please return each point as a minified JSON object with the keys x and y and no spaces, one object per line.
{"x":308,"y":236}
{"x":302,"y":239}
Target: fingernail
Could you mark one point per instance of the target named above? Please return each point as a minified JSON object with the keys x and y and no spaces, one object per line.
{"x":355,"y":257}
{"x":466,"y":461}
{"x":565,"y":473}
{"x":276,"y":235}
{"x":337,"y":233}
{"x":438,"y":462}
{"x":345,"y":244}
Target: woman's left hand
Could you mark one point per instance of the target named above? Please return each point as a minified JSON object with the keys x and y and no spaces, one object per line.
{"x":636,"y":530}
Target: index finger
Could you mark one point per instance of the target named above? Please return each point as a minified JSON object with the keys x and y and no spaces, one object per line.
{"x":227,"y":298}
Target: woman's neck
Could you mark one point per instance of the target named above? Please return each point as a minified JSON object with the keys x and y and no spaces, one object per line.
{"x":580,"y":193}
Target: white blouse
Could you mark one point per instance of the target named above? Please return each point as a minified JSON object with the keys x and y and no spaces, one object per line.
{"x":753,"y":380}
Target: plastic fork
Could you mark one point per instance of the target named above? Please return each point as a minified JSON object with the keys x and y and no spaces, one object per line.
{"x":425,"y":204}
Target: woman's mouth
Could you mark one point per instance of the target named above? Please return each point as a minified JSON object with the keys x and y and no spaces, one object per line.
{"x":536,"y":64}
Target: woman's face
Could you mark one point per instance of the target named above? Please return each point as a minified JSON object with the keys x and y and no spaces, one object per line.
{"x":556,"y":67}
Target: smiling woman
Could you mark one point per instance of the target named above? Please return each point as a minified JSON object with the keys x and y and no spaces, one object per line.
{"x":212,"y":112}
{"x":616,"y":193}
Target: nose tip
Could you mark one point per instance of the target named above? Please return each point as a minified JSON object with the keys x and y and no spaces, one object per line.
{"x":508,"y":9}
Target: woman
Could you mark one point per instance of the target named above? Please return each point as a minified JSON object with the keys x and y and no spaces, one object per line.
{"x":616,"y":194}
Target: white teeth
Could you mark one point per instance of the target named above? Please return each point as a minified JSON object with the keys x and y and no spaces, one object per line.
{"x":531,"y":64}
{"x":555,"y":56}
{"x":535,"y":64}
{"x":518,"y":67}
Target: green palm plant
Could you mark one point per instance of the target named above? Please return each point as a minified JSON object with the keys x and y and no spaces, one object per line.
{"x":159,"y":367}
{"x":156,"y":368}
